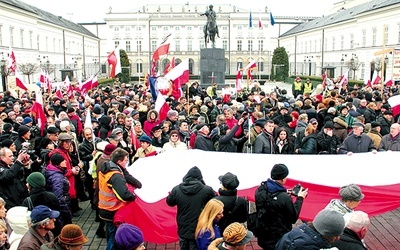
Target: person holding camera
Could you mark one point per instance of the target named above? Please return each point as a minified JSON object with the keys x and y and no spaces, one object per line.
{"x":276,"y":211}
{"x":12,"y":177}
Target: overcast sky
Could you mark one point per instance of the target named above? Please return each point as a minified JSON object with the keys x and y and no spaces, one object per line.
{"x":91,"y":11}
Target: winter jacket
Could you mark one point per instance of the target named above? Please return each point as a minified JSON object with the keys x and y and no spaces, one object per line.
{"x":204,"y":239}
{"x":339,"y":206}
{"x":264,"y":143}
{"x":385,"y":125}
{"x":39,"y":196}
{"x":369,"y":115}
{"x":227,"y":142}
{"x":302,"y":237}
{"x":357,"y":144}
{"x":119,"y":187}
{"x":203,"y":142}
{"x":12,"y":184}
{"x":308,"y":145}
{"x":277,"y":218}
{"x":70,"y":176}
{"x":235,"y":208}
{"x":340,"y":128}
{"x":58,"y":184}
{"x":190,"y":197}
{"x":390,"y":143}
{"x":376,"y":137}
{"x":32,"y":240}
{"x":327,"y":144}
{"x":349,"y":240}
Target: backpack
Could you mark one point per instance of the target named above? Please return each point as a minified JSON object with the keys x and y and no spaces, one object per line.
{"x":254,"y":220}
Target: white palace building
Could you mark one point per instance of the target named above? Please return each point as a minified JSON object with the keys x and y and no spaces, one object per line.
{"x":353,"y":33}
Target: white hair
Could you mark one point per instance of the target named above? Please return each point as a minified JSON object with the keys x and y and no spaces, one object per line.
{"x":356,"y":220}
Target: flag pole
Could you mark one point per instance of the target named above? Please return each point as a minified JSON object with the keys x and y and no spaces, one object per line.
{"x":251,"y":47}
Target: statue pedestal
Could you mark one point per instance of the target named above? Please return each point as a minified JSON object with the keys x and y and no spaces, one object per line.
{"x":212,"y":65}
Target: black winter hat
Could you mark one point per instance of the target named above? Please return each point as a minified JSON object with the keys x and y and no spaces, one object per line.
{"x":279,"y":172}
{"x":56,"y":159}
{"x":7,"y":127}
{"x":22,"y":130}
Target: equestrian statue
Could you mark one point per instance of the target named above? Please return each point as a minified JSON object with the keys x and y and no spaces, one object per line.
{"x":210,"y":29}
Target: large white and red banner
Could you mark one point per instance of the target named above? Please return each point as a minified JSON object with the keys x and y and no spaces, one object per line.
{"x":323,"y":175}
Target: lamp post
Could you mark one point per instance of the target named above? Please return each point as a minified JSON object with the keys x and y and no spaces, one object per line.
{"x":304,"y":66}
{"x":342,"y":63}
{"x":3,"y":72}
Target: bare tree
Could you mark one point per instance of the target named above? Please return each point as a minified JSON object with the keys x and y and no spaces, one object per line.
{"x":28,"y":69}
{"x":378,"y":64}
{"x":354,"y":65}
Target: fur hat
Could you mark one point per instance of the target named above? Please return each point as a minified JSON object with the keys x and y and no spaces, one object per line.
{"x":128,"y":236}
{"x":72,"y":235}
{"x":351,"y":192}
{"x":36,"y":179}
{"x":329,"y":222}
{"x":279,"y":172}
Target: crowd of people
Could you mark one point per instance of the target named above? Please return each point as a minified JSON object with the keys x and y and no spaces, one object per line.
{"x":77,"y":159}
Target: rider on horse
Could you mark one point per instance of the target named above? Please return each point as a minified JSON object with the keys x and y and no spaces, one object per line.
{"x":211,"y":16}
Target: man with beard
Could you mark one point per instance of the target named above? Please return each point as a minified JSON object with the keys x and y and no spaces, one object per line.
{"x":86,"y":149}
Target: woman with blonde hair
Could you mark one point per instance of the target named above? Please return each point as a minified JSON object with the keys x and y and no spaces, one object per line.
{"x":207,"y":226}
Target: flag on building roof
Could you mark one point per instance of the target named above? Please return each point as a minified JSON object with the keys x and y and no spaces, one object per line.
{"x":250,"y":21}
{"x":12,"y":63}
{"x":271,"y":18}
{"x":179,"y":76}
{"x":163,"y":49}
{"x":394,"y":103}
{"x":20,"y":84}
{"x":114,"y":61}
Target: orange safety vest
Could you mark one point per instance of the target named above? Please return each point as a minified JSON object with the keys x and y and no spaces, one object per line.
{"x":107,"y":198}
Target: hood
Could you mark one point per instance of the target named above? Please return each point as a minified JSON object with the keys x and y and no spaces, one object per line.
{"x":105,"y":121}
{"x":108,"y":166}
{"x":274,"y":186}
{"x":194,"y":174}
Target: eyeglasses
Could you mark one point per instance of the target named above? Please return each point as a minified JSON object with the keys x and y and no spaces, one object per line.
{"x":174,"y":135}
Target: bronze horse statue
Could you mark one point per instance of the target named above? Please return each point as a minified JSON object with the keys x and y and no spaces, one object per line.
{"x":210,"y":30}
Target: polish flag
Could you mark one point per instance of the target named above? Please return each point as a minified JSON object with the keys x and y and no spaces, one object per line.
{"x":345,"y":78}
{"x":389,"y":83}
{"x":134,"y":140}
{"x":375,"y":78}
{"x":239,"y":80}
{"x":163,"y":49}
{"x":158,"y":221}
{"x":162,"y":107}
{"x":179,"y":76}
{"x":38,"y":108}
{"x":169,"y":66}
{"x":324,"y":76}
{"x":114,"y":60}
{"x":251,"y":65}
{"x":58,"y":92}
{"x":87,"y":85}
{"x":12,"y":63}
{"x":20,"y":84}
{"x":67,"y":82}
{"x":394,"y":102}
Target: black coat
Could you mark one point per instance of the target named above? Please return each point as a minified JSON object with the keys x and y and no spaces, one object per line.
{"x":349,"y":241}
{"x":308,"y":145}
{"x":39,"y":196}
{"x":190,"y":197}
{"x":327,"y":144}
{"x":203,"y":142}
{"x":235,"y":208}
{"x":12,"y":184}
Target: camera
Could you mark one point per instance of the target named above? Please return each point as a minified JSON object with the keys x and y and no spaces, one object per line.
{"x":26,"y":148}
{"x":296,"y":189}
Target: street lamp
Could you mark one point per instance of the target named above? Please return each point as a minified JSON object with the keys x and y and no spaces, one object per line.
{"x":352,"y":58}
{"x":342,"y":63}
{"x":304,"y":66}
{"x":386,"y":59}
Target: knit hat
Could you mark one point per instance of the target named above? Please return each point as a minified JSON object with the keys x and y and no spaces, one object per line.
{"x":72,"y":235}
{"x":331,"y":110}
{"x":145,"y":138}
{"x":7,"y":143}
{"x":236,"y":235}
{"x":329,"y":222}
{"x":279,"y":172}
{"x":229,"y":181}
{"x":18,"y":218}
{"x":200,"y":126}
{"x":27,"y":120}
{"x":22,"y":130}
{"x":36,"y":179}
{"x":128,"y":237}
{"x":97,"y":110}
{"x":56,"y":159}
{"x":328,"y":124}
{"x":109,"y":149}
{"x":7,"y":127}
{"x":351,"y":192}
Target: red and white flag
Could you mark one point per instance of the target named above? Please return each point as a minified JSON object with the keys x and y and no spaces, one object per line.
{"x":12,"y":63}
{"x":87,"y":85}
{"x":134,"y":140}
{"x":394,"y":102}
{"x":250,"y":65}
{"x":389,"y":83}
{"x":179,"y":76}
{"x":158,"y":221}
{"x":163,"y":49}
{"x":324,"y":76}
{"x":259,"y":21}
{"x":114,"y":61}
{"x":20,"y":84}
{"x":375,"y":78}
{"x":58,"y":92}
{"x":38,"y":108}
{"x":162,"y":107}
{"x":169,"y":66}
{"x":67,"y":82}
{"x":239,"y":80}
{"x":344,"y":79}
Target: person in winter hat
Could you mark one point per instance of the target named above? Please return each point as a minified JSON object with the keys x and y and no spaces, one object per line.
{"x":129,"y":237}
